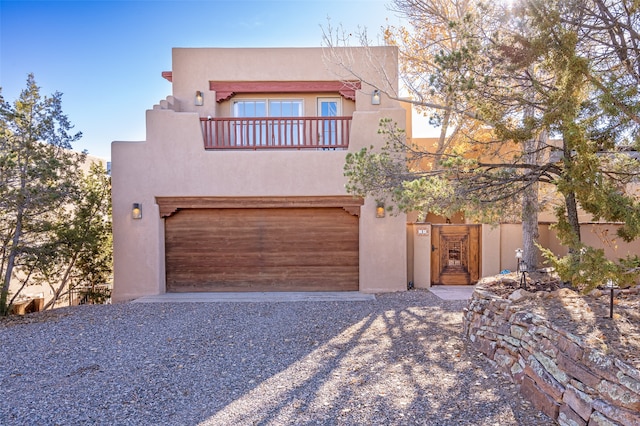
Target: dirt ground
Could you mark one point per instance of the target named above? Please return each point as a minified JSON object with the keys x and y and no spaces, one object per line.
{"x":586,"y":316}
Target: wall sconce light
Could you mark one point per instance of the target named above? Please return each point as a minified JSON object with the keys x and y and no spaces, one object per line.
{"x":136,"y":211}
{"x":375,"y":97}
{"x":380,"y":210}
{"x":199,"y":98}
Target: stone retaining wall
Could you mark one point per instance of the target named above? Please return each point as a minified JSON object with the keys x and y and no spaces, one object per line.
{"x":556,"y":371}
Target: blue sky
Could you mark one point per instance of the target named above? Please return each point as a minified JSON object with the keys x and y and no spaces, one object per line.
{"x":106,"y":57}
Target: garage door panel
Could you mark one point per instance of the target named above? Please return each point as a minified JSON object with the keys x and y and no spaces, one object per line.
{"x":294,"y":254}
{"x":311,"y":275}
{"x":223,"y":263}
{"x":266,"y":280}
{"x":294,"y":249}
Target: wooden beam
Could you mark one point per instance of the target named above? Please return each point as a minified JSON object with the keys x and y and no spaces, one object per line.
{"x":170,"y":205}
{"x":225,"y":90}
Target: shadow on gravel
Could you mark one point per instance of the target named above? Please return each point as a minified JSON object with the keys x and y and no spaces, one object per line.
{"x":401,"y":363}
{"x":397,"y":360}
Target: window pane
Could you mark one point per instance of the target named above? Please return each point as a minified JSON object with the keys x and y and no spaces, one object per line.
{"x":249,"y":109}
{"x":267,"y":132}
{"x":285,"y":132}
{"x":248,"y":132}
{"x":296,"y":109}
{"x":330,"y":131}
{"x":329,"y":109}
{"x":275,"y":109}
{"x":278,"y":108}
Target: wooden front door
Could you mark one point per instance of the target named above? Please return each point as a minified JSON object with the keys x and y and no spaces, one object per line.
{"x":455,"y":255}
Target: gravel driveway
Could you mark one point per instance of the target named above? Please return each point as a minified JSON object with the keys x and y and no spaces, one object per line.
{"x":397,"y":360}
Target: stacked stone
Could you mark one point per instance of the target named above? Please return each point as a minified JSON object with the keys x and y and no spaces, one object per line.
{"x":562,"y":376}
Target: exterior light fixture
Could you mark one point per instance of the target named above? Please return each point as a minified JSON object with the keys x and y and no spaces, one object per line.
{"x":380,"y":210}
{"x":136,"y":211}
{"x":199,"y":99}
{"x":523,"y":275}
{"x":375,"y":97}
{"x":611,"y":286}
{"x":518,"y":259}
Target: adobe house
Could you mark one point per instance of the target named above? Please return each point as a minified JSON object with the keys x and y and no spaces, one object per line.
{"x":239,"y":184}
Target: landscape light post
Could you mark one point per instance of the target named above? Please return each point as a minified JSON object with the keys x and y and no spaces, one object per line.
{"x":521,"y":269}
{"x":611,"y":286}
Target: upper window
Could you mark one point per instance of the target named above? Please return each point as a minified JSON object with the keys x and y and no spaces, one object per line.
{"x":250,"y":109}
{"x":285,"y":108}
{"x":272,"y":108}
{"x":285,"y":131}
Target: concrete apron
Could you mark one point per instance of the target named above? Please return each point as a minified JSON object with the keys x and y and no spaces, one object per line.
{"x":207,"y":297}
{"x":453,"y":292}
{"x":444,"y":292}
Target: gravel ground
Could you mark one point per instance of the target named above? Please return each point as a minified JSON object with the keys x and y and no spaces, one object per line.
{"x":398,"y":360}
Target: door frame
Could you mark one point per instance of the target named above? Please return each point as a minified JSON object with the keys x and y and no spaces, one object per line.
{"x":334,"y":129}
{"x":473,"y":254}
{"x":169,"y":206}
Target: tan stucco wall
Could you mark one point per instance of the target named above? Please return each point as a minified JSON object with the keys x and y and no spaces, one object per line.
{"x":193,"y":68}
{"x":421,"y":254}
{"x":172,"y":162}
{"x":601,"y":235}
{"x":491,"y":248}
{"x":511,"y":239}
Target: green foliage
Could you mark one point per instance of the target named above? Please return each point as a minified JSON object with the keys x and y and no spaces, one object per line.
{"x":378,"y":173}
{"x":427,"y":194}
{"x":42,"y":191}
{"x":588,"y":268}
{"x":81,"y":255}
{"x":90,"y":228}
{"x":526,"y":70}
{"x":459,"y":185}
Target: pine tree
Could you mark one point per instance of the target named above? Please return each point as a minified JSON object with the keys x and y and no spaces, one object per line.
{"x":37,"y":181}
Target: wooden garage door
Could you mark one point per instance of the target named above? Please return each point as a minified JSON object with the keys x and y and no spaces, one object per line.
{"x":262,"y":249}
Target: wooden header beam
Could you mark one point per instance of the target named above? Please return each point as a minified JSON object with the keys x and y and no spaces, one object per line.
{"x":171,"y":205}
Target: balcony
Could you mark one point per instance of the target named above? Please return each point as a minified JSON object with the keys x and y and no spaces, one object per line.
{"x":320,"y":133}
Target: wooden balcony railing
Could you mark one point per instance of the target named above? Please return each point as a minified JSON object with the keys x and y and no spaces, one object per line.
{"x":276,"y":133}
